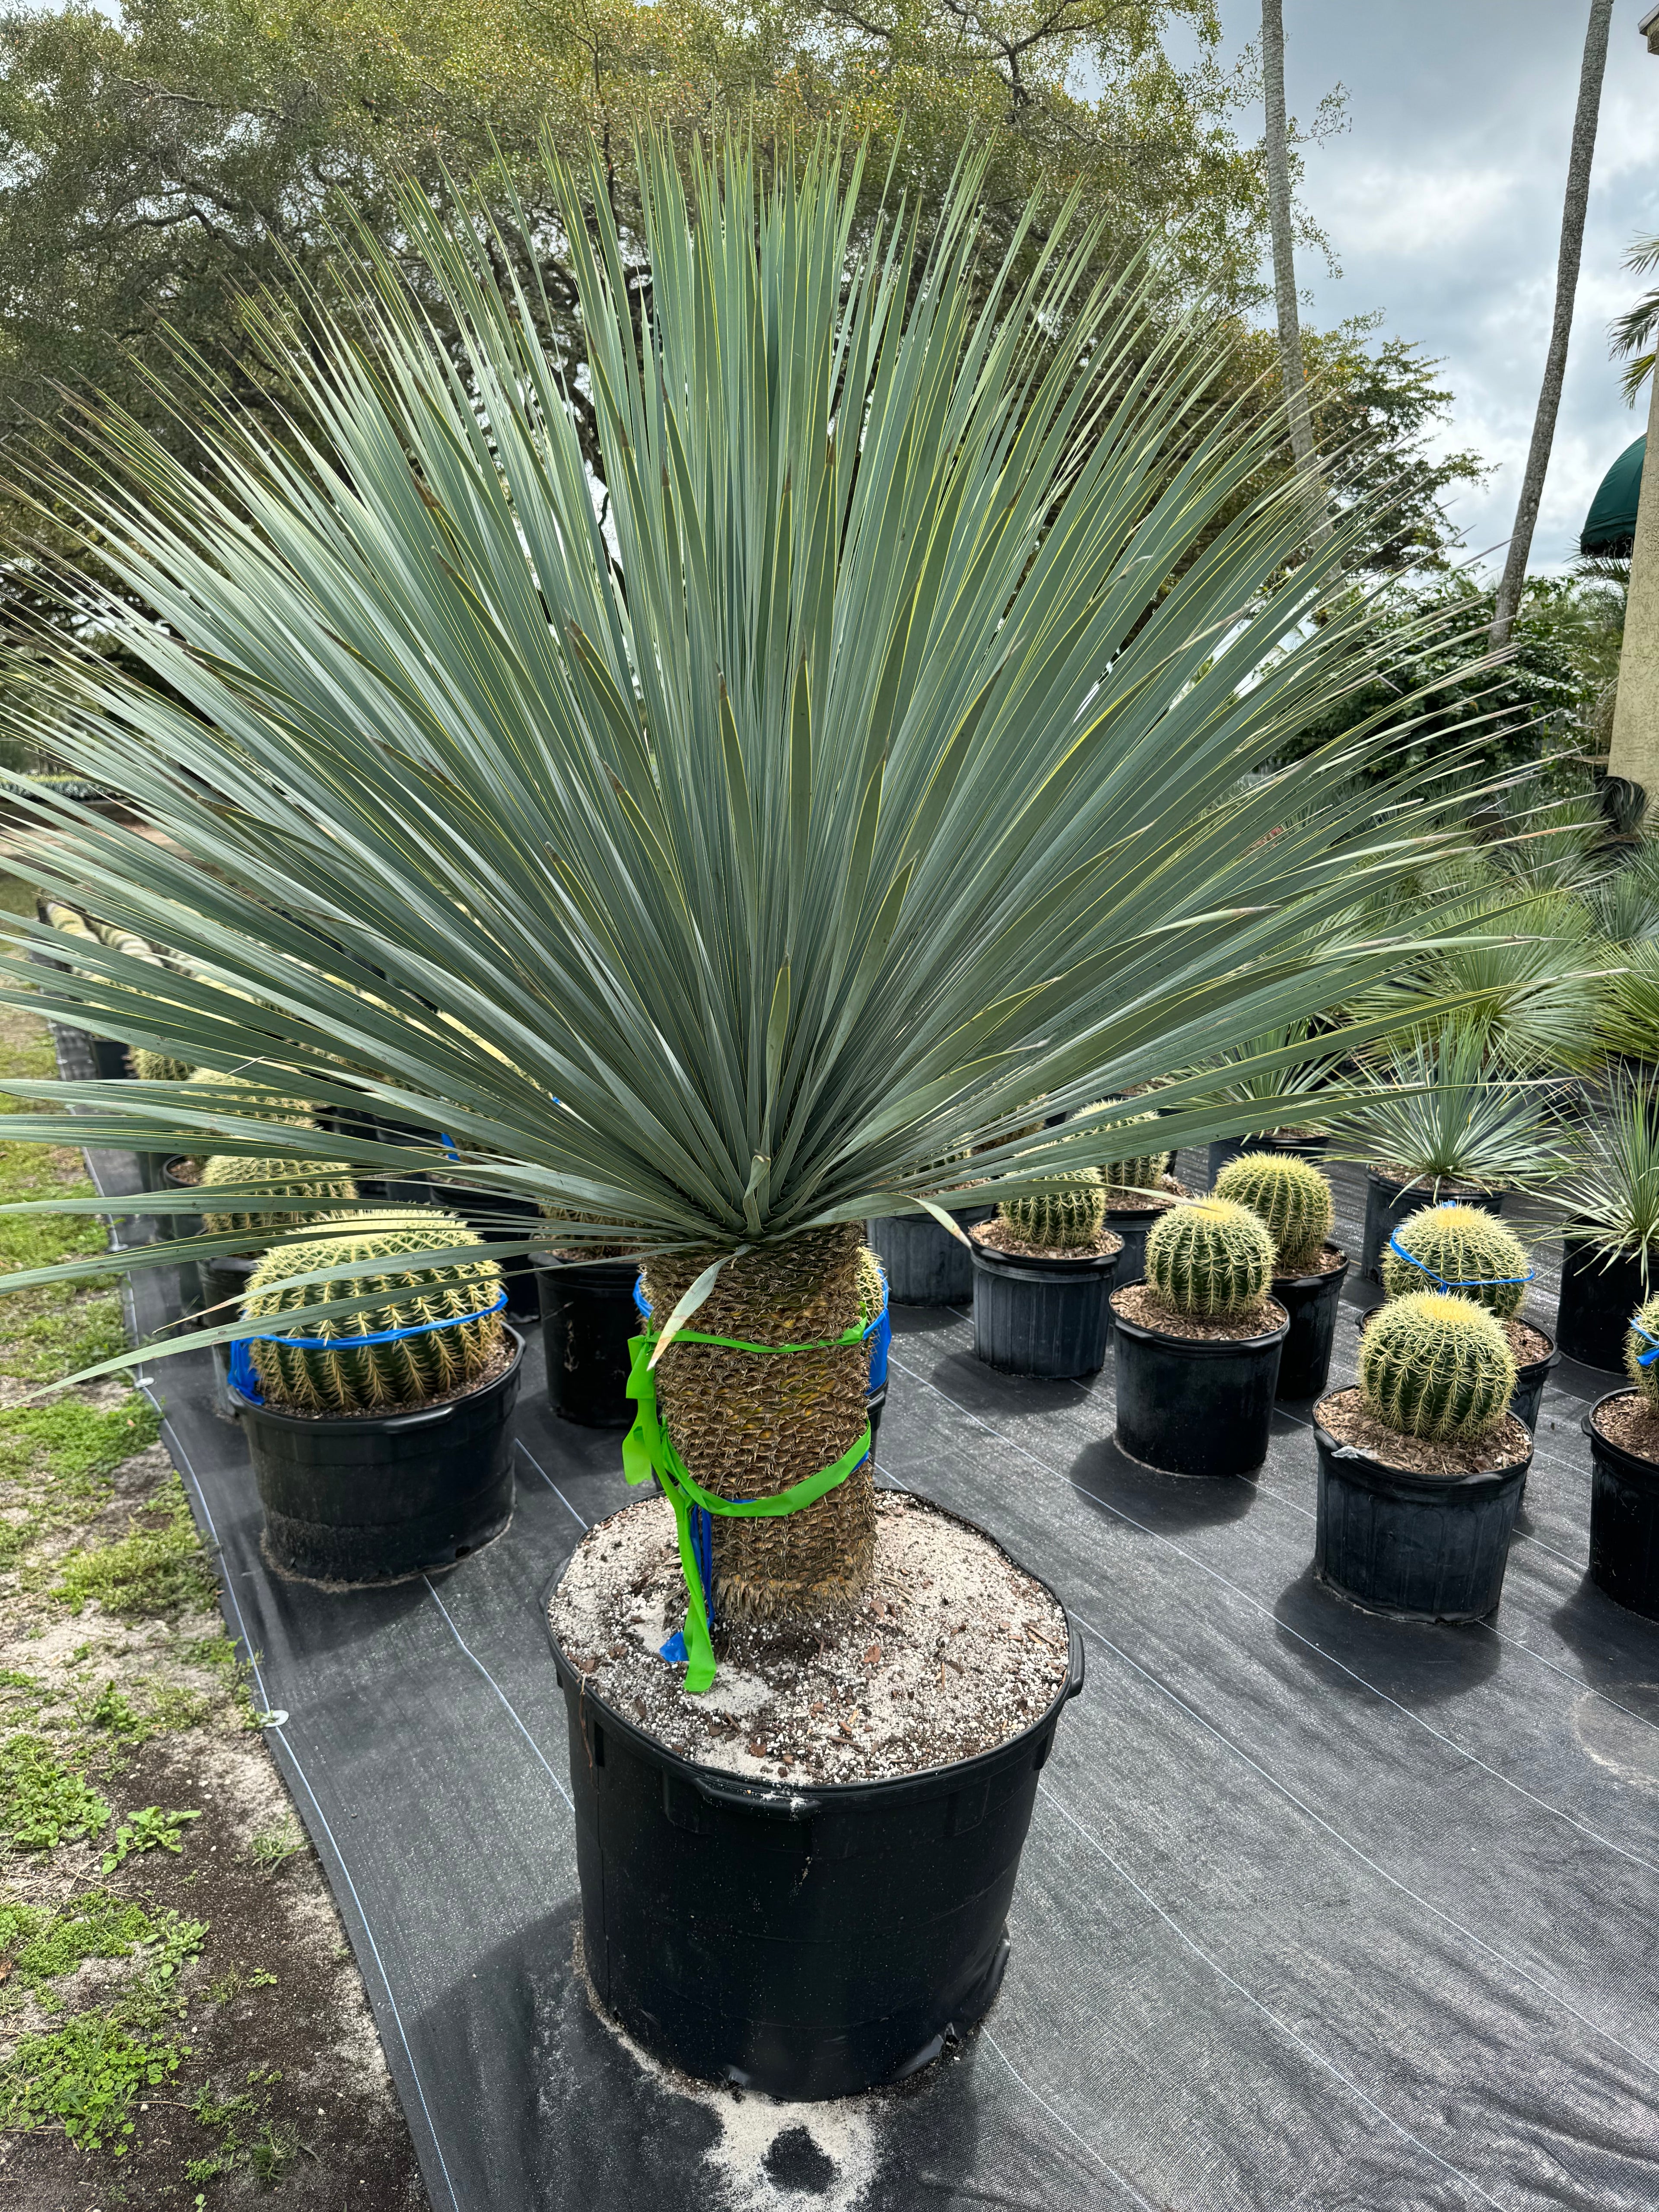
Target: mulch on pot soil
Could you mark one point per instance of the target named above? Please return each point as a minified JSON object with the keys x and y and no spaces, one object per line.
{"x":1343,"y":1414}
{"x":1631,"y":1423}
{"x":1328,"y":1261}
{"x":1139,"y":1302}
{"x":1000,"y":1238}
{"x":956,"y":1650}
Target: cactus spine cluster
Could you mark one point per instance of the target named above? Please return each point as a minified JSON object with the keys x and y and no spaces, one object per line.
{"x":1211,"y":1260}
{"x":872,"y":1283}
{"x":1464,"y":1245}
{"x":308,"y":1185}
{"x":1436,"y":1367}
{"x":1291,"y":1196}
{"x":1066,"y":1215}
{"x":369,"y":1259}
{"x":156,"y":1067}
{"x":1142,"y":1171}
{"x":1645,"y":1326}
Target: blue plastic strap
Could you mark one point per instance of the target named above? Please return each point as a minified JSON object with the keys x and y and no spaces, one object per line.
{"x":1644,"y":1359}
{"x":244,"y":1377}
{"x":1470,"y":1283}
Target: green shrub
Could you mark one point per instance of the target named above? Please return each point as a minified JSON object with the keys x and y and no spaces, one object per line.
{"x":1065,"y":1215}
{"x":1291,"y":1196}
{"x":367,"y":1259}
{"x":1465,"y":1247}
{"x":1436,"y":1367}
{"x":1211,"y":1259}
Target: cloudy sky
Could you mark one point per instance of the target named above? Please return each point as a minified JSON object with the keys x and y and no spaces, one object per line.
{"x":1442,"y":203}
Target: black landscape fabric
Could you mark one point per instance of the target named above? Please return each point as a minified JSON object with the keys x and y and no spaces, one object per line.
{"x":1318,"y":1910}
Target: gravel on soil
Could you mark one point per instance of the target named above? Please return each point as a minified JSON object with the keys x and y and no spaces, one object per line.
{"x":956,"y":1651}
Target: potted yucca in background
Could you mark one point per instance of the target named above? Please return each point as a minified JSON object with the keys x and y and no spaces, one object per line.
{"x":1610,"y":1200}
{"x":897,"y":754}
{"x":1422,"y":1465}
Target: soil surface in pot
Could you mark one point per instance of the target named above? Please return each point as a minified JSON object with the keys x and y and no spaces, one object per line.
{"x":1343,"y":1413}
{"x":1433,"y":1193}
{"x":1328,"y":1261}
{"x":956,"y":1651}
{"x":1139,"y":1302}
{"x":186,"y":1172}
{"x":1143,"y":1201}
{"x":1003,"y":1239}
{"x":1528,"y":1344}
{"x":492,"y":1372}
{"x":1632,"y":1424}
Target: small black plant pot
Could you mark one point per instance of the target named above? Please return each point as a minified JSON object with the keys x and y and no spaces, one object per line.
{"x":1224,"y":1149}
{"x":376,"y":1497}
{"x":1041,"y":1317}
{"x":1311,"y":1302}
{"x":176,"y":1224}
{"x":1420,"y":1546}
{"x":926,"y":1265}
{"x":110,"y":1061}
{"x":1194,"y":1405}
{"x":1597,"y":1300}
{"x":1388,"y":1203}
{"x":1623,"y":1543}
{"x":588,"y":1315}
{"x":803,"y":1942}
{"x":1529,"y":1383}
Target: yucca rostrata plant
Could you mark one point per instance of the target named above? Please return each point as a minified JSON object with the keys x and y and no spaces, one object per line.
{"x":386,"y":1258}
{"x":1211,"y":1260}
{"x":1438,"y":1367}
{"x":269,"y":1195}
{"x":1289,"y":1196}
{"x":1459,"y":1249}
{"x":1065,"y":1215}
{"x":884,"y":764}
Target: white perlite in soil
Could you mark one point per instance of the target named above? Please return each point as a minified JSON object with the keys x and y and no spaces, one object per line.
{"x":956,"y":1651}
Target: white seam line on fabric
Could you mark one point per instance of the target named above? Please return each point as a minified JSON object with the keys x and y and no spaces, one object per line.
{"x":1503,"y":1635}
{"x":177,"y":1447}
{"x":551,"y":1485}
{"x":1266,"y":2012}
{"x":1040,"y":2100}
{"x":1284,"y":1626}
{"x":507,"y":1702}
{"x":1509,"y":1966}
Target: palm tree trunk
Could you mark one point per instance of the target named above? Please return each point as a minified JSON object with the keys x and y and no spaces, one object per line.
{"x":749,"y":1424}
{"x":1566,"y":286}
{"x":1292,"y":370}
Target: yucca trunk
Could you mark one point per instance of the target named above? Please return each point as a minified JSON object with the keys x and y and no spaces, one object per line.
{"x":749,"y":1424}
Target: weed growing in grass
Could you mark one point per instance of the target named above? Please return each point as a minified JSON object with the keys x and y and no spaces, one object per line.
{"x":150,"y":1572}
{"x":147,"y":1830}
{"x":86,"y":2076}
{"x":272,"y":1845}
{"x":166,"y":1708}
{"x":43,"y":1802}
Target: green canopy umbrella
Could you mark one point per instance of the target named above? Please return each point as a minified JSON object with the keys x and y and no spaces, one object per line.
{"x":1610,"y":525}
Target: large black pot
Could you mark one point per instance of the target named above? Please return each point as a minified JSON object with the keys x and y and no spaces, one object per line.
{"x":1223,"y":1149}
{"x":1388,"y":1203}
{"x":1132,"y":1226}
{"x":376,"y":1497}
{"x":926,"y":1265}
{"x":1624,"y":1545}
{"x":224,"y":1279}
{"x":588,"y":1315}
{"x":1194,"y":1405}
{"x":1597,"y":1302}
{"x":1423,"y":1548}
{"x":1311,"y":1302}
{"x":806,"y":1942}
{"x":1044,"y":1316}
{"x":1529,"y":1381}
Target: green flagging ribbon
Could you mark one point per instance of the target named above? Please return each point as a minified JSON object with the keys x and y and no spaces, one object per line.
{"x":648,"y":1449}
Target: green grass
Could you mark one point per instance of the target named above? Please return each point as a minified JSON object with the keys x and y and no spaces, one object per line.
{"x":43,"y":1801}
{"x":149,"y":1573}
{"x":73,"y":1444}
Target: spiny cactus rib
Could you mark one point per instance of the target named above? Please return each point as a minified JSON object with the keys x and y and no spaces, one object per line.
{"x":156,"y":1067}
{"x":872,"y":1283}
{"x":1641,"y":1337}
{"x":1065,"y":1215}
{"x":1438,"y":1367}
{"x":369,"y":1259}
{"x":1462,"y":1248}
{"x":314,"y":1185}
{"x":1291,"y":1196}
{"x":1126,"y":1179}
{"x":1212,"y":1261}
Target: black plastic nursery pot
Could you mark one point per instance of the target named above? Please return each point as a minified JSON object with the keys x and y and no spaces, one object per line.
{"x":926,"y":1265}
{"x":1388,"y":1203}
{"x":1194,"y":1405}
{"x":1529,"y":1381}
{"x":1597,"y":1300}
{"x":1132,"y":1226}
{"x":805,"y":1943}
{"x":1042,"y":1315}
{"x":1624,"y":1545}
{"x":376,"y":1497}
{"x":1312,"y":1302}
{"x":223,"y":1284}
{"x":177,"y":1224}
{"x":588,"y":1315}
{"x":1223,"y":1149}
{"x":1420,"y":1546}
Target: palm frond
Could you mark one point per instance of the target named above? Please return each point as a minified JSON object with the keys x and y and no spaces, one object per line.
{"x":1437,"y":1112}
